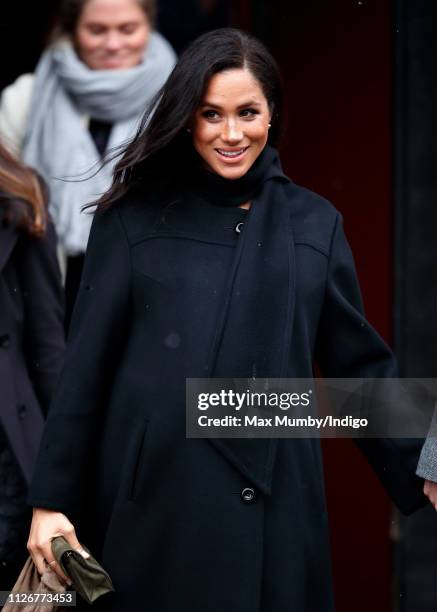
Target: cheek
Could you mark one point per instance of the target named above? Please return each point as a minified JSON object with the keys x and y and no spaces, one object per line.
{"x":202,"y":136}
{"x":85,"y":44}
{"x":258,"y":131}
{"x":140,"y":40}
{"x":200,"y":146}
{"x":136,"y":43}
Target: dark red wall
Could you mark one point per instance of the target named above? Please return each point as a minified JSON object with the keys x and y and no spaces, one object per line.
{"x":336,"y":59}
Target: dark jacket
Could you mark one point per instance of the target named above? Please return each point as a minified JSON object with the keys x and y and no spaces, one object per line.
{"x":31,"y":356}
{"x":167,"y":515}
{"x":31,"y":335}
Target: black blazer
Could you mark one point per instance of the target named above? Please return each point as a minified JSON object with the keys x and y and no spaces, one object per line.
{"x":200,"y":526}
{"x":31,"y":337}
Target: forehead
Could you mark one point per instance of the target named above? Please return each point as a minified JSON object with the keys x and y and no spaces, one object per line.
{"x":232,"y":86}
{"x":110,"y":11}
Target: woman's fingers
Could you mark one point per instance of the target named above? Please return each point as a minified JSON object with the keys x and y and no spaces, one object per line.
{"x":430,"y":490}
{"x":51,"y":562}
{"x":39,"y":562}
{"x":43,"y":559}
{"x":71,"y":538}
{"x":47,"y":525}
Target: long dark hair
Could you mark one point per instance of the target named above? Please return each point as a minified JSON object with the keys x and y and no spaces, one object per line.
{"x":69,"y":13}
{"x":22,"y":196}
{"x":162,"y":147}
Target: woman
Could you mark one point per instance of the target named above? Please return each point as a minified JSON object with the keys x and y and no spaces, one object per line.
{"x":90,"y":88}
{"x":31,"y":346}
{"x":205,"y":260}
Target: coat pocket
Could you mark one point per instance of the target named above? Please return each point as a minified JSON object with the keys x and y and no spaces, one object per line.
{"x":137,"y":463}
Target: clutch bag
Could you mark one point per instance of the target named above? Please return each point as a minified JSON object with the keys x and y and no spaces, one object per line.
{"x":88,"y":577}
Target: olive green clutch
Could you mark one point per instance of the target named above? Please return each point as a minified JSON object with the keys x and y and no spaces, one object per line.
{"x":88,"y":577}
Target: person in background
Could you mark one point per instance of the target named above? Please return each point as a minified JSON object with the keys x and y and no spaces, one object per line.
{"x":31,"y":346}
{"x":91,"y":86}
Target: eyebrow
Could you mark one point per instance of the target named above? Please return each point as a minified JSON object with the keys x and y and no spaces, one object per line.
{"x":244,"y":105}
{"x":104,"y":25}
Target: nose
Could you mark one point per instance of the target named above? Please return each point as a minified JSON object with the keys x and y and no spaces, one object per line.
{"x":232,"y":132}
{"x":113,"y":41}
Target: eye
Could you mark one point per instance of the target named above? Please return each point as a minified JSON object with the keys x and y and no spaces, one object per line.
{"x":248,"y":113}
{"x":129,"y":28}
{"x":210,"y":115}
{"x":96,"y":30}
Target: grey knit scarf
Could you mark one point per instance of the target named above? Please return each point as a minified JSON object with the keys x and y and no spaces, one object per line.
{"x":58,"y":144}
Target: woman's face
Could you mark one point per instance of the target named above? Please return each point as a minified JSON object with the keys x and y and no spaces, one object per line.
{"x":230,"y":128}
{"x":112,"y":34}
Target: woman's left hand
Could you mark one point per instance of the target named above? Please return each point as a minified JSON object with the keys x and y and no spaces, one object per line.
{"x":430,"y":490}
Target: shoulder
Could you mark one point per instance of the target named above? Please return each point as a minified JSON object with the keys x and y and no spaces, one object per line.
{"x":15,"y":104}
{"x":20,"y":90}
{"x":139,"y":211}
{"x":135,"y":214}
{"x":313,"y":218}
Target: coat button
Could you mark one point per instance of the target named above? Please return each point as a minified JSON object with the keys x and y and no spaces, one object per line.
{"x":21,"y":412}
{"x":248,"y":495}
{"x":5,"y":341}
{"x":239,"y":227}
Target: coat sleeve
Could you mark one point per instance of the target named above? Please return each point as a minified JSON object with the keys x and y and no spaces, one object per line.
{"x":348,"y":347}
{"x":97,"y":334}
{"x":427,"y":467}
{"x":43,"y":298}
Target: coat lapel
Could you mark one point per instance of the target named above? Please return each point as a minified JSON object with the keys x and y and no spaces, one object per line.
{"x":253,"y":336}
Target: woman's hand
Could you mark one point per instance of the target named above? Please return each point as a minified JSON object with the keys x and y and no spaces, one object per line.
{"x":430,"y":490}
{"x":46,"y":525}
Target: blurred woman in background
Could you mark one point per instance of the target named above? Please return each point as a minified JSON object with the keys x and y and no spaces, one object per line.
{"x":103,"y":68}
{"x":31,"y":346}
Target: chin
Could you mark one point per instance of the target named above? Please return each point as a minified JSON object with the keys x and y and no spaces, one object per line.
{"x":114,"y":66}
{"x":232,"y":173}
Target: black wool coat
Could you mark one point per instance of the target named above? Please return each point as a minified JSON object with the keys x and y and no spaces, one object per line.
{"x":31,"y":356}
{"x":165,"y":514}
{"x":31,"y":336}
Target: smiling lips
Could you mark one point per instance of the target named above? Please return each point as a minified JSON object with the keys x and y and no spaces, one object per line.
{"x":231,"y":155}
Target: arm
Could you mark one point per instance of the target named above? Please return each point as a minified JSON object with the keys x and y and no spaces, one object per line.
{"x":97,"y":335}
{"x":348,"y":347}
{"x":44,"y":312}
{"x":15,"y":103}
{"x":427,"y":469}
